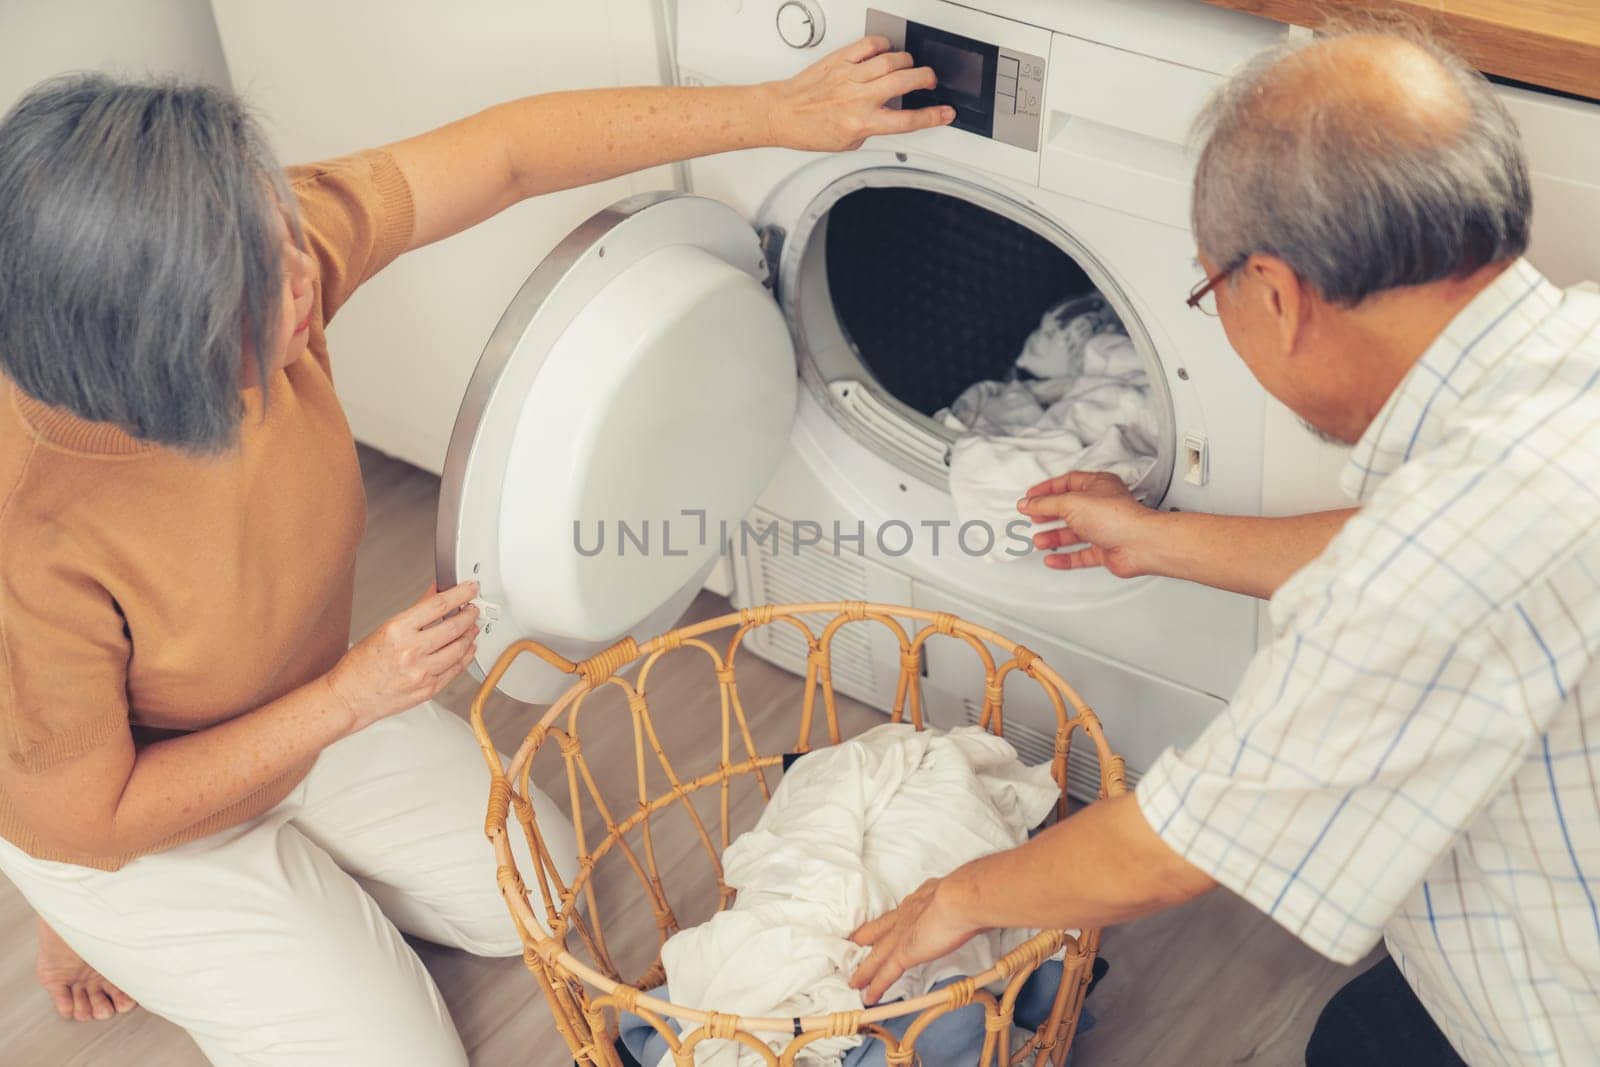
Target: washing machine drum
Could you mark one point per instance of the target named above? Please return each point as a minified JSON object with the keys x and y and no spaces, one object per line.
{"x":636,"y":396}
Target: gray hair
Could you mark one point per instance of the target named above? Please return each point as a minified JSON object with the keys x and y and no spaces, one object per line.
{"x":1351,"y":211}
{"x":138,"y":254}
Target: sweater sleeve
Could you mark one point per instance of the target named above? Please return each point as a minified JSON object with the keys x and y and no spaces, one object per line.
{"x":63,"y":665}
{"x":356,"y":215}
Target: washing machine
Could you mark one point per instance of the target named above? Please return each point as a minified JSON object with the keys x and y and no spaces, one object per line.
{"x":745,"y":375}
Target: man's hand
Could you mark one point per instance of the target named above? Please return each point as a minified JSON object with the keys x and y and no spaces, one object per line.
{"x":1103,"y":865}
{"x":1104,"y":526}
{"x":1098,"y":512}
{"x":923,"y":927}
{"x":837,"y":102}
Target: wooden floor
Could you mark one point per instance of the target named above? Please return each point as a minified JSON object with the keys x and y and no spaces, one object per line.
{"x":1212,"y":983}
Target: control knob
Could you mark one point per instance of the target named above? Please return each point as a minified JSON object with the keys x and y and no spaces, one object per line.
{"x":800,"y":23}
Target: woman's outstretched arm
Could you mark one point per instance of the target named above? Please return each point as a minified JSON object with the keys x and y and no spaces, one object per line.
{"x":471,"y":169}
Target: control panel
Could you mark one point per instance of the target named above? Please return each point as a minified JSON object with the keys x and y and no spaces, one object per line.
{"x":996,"y":92}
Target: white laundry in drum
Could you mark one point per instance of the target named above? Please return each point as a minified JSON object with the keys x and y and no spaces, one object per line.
{"x":1085,"y":406}
{"x":850,"y":831}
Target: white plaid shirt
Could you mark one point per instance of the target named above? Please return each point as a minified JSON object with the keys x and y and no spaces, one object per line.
{"x":1417,"y":752}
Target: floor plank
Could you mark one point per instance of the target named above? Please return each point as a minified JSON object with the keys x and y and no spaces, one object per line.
{"x":1214,"y":982}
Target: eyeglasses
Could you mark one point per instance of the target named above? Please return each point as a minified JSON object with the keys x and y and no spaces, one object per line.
{"x":1206,"y":287}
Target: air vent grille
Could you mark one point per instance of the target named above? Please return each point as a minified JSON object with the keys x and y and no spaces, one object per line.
{"x":788,"y":577}
{"x":1036,"y":746}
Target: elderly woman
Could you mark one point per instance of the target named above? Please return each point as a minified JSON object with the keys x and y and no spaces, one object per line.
{"x":221,"y":806}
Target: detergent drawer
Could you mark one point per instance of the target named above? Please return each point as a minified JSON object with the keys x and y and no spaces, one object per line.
{"x":1116,"y":125}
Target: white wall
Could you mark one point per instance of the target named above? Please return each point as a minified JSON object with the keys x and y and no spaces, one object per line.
{"x":1562,"y":140}
{"x":332,"y":77}
{"x":39,"y":38}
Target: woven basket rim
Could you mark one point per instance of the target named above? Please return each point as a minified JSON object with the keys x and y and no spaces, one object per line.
{"x":590,"y":674}
{"x":1045,"y":942}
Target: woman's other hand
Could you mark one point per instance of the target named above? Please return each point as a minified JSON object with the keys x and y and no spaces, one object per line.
{"x":410,"y":658}
{"x":838,"y":102}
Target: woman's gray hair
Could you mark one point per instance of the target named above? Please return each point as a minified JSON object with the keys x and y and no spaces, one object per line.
{"x":1350,"y":208}
{"x":139,"y":253}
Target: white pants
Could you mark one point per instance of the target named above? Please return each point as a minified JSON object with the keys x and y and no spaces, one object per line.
{"x":275,"y":942}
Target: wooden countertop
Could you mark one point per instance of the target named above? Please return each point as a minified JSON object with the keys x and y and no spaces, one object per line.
{"x":1553,"y":43}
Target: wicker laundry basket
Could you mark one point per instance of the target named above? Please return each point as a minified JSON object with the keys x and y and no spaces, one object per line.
{"x":575,"y":968}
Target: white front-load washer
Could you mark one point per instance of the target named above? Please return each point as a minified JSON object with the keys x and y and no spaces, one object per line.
{"x":751,"y":372}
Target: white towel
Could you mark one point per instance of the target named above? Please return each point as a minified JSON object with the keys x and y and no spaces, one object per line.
{"x":850,"y":831}
{"x":1096,"y":415}
{"x":1055,"y":348}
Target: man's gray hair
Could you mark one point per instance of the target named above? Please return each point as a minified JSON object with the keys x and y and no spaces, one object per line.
{"x":1351,"y":210}
{"x":138,"y":254}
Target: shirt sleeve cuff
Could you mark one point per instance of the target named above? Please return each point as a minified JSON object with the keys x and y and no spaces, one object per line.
{"x":395,"y":208}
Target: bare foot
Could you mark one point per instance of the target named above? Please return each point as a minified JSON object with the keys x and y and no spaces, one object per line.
{"x":78,"y":989}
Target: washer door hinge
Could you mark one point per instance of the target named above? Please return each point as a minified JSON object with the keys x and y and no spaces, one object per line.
{"x":771,"y":252}
{"x":488,"y":612}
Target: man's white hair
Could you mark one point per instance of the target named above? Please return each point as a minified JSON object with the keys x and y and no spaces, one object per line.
{"x":1356,"y":193}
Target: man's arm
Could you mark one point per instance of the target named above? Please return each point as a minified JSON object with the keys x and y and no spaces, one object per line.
{"x":1378,"y":698}
{"x":1241,"y":553}
{"x":1103,"y":865}
{"x":1104,"y":526}
{"x":467,"y":171}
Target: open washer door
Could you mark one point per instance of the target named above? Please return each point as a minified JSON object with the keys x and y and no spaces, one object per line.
{"x":642,"y":376}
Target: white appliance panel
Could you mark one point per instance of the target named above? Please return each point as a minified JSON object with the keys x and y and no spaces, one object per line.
{"x":1142,"y":712}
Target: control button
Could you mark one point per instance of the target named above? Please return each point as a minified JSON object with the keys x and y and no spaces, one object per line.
{"x":1008,"y":67}
{"x":800,"y":23}
{"x":1005,"y":104}
{"x":1005,"y":84}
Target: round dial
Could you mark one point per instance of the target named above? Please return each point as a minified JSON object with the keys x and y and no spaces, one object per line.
{"x":800,"y":23}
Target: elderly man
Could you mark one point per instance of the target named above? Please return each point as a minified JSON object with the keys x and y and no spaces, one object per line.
{"x":1415,"y":755}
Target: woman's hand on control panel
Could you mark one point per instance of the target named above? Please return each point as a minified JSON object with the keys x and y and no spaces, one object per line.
{"x":838,"y":102}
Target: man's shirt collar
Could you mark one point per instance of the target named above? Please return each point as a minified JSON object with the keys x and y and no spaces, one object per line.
{"x":1481,"y":335}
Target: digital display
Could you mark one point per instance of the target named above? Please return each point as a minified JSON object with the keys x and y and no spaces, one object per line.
{"x":959,"y":70}
{"x":993,"y":95}
{"x":965,"y":69}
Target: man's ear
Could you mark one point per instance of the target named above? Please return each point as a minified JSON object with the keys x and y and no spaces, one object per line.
{"x":1283,"y":297}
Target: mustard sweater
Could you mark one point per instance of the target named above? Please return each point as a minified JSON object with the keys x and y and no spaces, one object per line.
{"x":146,"y":590}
